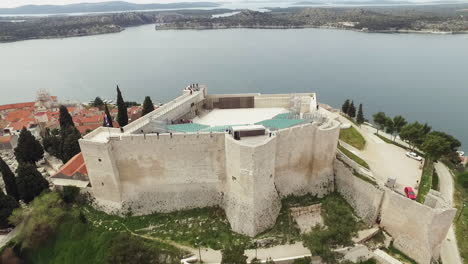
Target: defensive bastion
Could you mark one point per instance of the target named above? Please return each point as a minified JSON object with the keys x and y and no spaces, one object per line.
{"x":242,"y":152}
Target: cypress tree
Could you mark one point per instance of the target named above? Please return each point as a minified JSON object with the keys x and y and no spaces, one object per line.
{"x":7,"y":205}
{"x":109,"y":117}
{"x":30,"y":182}
{"x":28,"y":148}
{"x":360,"y":115}
{"x":70,"y":145}
{"x":352,"y":110}
{"x":65,"y":118}
{"x":148,"y":106}
{"x":9,"y":180}
{"x":122,"y":116}
{"x":345,"y":106}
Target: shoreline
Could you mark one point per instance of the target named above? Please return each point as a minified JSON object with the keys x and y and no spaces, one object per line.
{"x":157,"y":28}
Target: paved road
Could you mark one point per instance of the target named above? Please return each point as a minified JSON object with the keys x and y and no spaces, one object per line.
{"x":387,"y":160}
{"x":449,"y":250}
{"x":6,"y":238}
{"x":277,"y":252}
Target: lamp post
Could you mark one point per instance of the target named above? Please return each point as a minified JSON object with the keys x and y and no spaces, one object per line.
{"x":461,"y":211}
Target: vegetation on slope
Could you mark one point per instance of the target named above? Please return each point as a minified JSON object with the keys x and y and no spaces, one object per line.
{"x":461,"y":219}
{"x":352,"y":137}
{"x":52,"y":231}
{"x":425,"y":184}
{"x":352,"y":156}
{"x":341,"y":226}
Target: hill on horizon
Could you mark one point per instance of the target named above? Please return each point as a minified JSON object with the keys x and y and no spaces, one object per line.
{"x":114,"y":6}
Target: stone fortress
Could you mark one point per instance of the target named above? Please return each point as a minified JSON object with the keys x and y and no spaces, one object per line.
{"x":242,"y":152}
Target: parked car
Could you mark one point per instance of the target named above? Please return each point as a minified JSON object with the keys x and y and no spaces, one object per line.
{"x":413,"y":156}
{"x":410,"y":193}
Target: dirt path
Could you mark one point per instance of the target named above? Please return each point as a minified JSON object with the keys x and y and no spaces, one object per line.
{"x":449,"y":249}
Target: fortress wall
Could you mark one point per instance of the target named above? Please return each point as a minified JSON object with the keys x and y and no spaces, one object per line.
{"x":251,"y":201}
{"x":265,"y":101}
{"x":102,"y":171}
{"x":324,"y":152}
{"x":154,"y":175}
{"x":302,"y":162}
{"x":418,"y":230}
{"x":364,"y":197}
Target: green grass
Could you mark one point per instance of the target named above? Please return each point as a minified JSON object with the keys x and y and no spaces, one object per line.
{"x":435,"y":181}
{"x":355,"y":158}
{"x":461,"y":221}
{"x":205,"y":227}
{"x":392,"y":251}
{"x":77,"y":242}
{"x":426,"y":181}
{"x":352,"y":137}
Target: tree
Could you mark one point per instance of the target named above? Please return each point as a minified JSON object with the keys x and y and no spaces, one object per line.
{"x":345,"y":106}
{"x":380,"y":119}
{"x":122,"y":115}
{"x":436,"y":146}
{"x":399,"y":122}
{"x":148,"y":106}
{"x":128,"y":249}
{"x":462,"y":178}
{"x":454,"y":143}
{"x":51,"y":143}
{"x":352,"y":110}
{"x":70,"y":144}
{"x":65,"y":119}
{"x":37,"y":222}
{"x":9,"y":180}
{"x":30,"y":182}
{"x":413,"y":134}
{"x":360,"y":115}
{"x":28,"y":148}
{"x":98,"y":102}
{"x":108,"y":121}
{"x":7,"y":205}
{"x":234,"y":254}
{"x":390,"y":126}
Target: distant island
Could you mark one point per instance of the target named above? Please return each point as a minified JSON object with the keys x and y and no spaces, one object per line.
{"x":446,"y":19}
{"x":441,"y":19}
{"x":113,"y":6}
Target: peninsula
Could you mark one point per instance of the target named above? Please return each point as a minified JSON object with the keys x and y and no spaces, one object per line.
{"x":446,"y":19}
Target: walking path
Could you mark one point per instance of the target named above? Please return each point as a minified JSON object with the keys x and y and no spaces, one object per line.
{"x":449,"y":249}
{"x":4,"y":239}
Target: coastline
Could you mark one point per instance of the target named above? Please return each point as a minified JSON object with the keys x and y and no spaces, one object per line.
{"x":390,"y":31}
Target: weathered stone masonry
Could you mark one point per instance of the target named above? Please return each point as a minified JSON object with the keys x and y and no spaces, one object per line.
{"x":144,"y":172}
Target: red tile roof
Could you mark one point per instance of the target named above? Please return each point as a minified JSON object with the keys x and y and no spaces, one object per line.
{"x":20,"y":124}
{"x":18,"y":115}
{"x":87,"y":120}
{"x":5,"y":139}
{"x":16,"y":106}
{"x":72,"y":167}
{"x":84,"y":128}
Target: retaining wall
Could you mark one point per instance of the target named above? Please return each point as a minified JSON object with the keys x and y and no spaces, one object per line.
{"x":364,"y":197}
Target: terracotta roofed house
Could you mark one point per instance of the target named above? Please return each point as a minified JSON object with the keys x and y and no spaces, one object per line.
{"x":72,"y":173}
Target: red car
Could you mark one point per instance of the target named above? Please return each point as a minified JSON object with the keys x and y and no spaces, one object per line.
{"x":410,"y":193}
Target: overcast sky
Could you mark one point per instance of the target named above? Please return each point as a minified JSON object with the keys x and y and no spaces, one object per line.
{"x":15,"y":3}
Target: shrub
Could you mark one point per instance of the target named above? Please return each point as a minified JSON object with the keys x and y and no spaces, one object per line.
{"x":234,"y":254}
{"x":70,"y":193}
{"x":37,"y":222}
{"x":127,"y":249}
{"x":305,"y":260}
{"x":463,"y":179}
